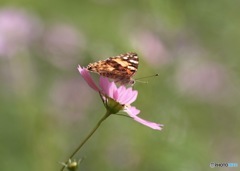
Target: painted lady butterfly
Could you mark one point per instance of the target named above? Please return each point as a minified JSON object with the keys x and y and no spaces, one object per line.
{"x":120,"y":68}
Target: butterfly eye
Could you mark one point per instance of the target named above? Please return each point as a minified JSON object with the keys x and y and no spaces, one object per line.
{"x":132,"y":82}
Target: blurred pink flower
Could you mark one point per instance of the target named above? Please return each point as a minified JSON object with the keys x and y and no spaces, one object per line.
{"x":151,"y":47}
{"x":121,"y":95}
{"x":202,"y":80}
{"x":64,"y":98}
{"x":18,"y":29}
{"x":62,"y":43}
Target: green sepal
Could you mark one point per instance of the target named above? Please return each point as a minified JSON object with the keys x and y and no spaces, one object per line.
{"x":112,"y":106}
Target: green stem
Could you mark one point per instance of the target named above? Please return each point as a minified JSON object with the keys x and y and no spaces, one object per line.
{"x":85,"y":140}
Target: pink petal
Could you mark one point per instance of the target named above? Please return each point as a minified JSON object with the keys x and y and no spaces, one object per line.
{"x":121,"y":91}
{"x":112,"y":90}
{"x":126,"y":96}
{"x":104,"y":84}
{"x":86,"y":76}
{"x":131,"y":97}
{"x":148,"y":123}
{"x":108,"y":88}
{"x":133,"y":112}
{"x":122,"y":88}
{"x":115,"y":95}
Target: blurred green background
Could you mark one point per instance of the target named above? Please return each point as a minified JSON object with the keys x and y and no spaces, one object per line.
{"x":47,"y":109}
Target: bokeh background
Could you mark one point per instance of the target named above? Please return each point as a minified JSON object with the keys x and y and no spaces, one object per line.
{"x":47,"y":109}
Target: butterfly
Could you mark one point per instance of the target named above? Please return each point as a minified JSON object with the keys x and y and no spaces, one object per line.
{"x":119,"y":68}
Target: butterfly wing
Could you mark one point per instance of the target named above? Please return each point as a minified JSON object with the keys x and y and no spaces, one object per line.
{"x":119,"y":68}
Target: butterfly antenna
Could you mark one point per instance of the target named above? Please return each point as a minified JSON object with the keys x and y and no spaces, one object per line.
{"x":145,"y":82}
{"x":155,"y":75}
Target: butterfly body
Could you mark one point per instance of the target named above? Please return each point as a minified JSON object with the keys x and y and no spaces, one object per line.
{"x":120,"y":68}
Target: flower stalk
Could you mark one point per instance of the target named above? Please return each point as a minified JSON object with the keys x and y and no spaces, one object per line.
{"x":87,"y":138}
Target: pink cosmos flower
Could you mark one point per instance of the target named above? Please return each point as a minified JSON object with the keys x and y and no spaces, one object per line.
{"x":120,"y":95}
{"x":151,"y":47}
{"x":61,"y":43}
{"x":18,"y":30}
